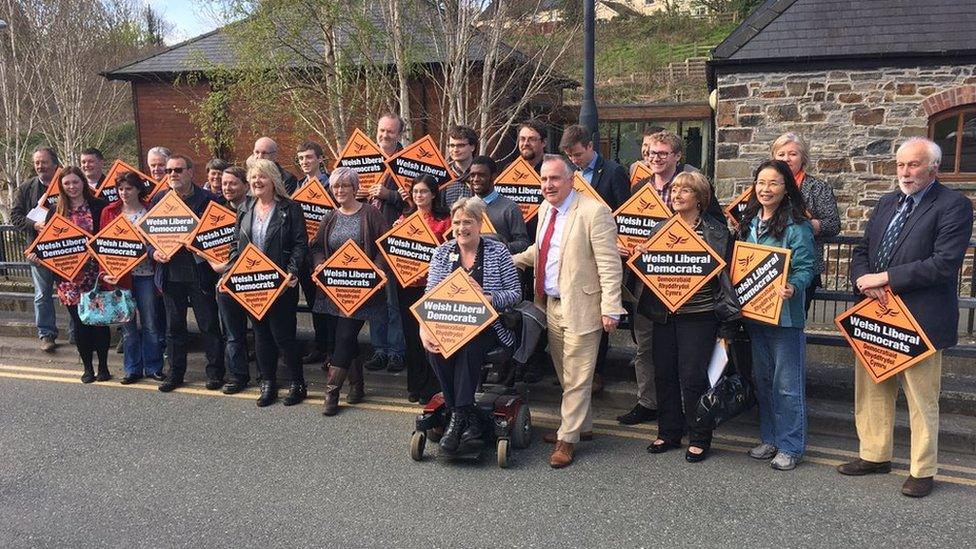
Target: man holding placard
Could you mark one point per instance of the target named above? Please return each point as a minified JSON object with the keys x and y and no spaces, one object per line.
{"x":504,"y":214}
{"x":913,"y":244}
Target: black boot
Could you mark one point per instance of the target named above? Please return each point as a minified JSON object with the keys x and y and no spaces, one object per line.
{"x":357,"y":388}
{"x":451,"y":438}
{"x":337,"y":376}
{"x":475,"y":430}
{"x":296,"y":393}
{"x":89,"y":375}
{"x":269,"y":394}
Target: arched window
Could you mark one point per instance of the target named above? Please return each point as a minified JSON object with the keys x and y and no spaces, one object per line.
{"x":955,"y":131}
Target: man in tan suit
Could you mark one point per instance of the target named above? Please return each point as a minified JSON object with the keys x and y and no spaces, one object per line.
{"x":577,"y":282}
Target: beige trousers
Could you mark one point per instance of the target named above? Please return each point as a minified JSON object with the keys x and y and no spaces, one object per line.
{"x":574,"y":356}
{"x":874,"y":413}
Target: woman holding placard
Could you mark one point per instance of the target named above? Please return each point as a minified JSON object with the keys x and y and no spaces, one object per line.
{"x":421,"y":381}
{"x":77,"y":203}
{"x":489,"y":264}
{"x":776,"y":215}
{"x":680,"y":342}
{"x":363,"y":224}
{"x":274,"y":224}
{"x":143,"y":353}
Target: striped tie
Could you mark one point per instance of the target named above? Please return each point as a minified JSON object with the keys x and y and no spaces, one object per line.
{"x":891,"y":235}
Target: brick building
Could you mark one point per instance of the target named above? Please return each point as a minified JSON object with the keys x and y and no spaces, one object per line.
{"x":855,"y":79}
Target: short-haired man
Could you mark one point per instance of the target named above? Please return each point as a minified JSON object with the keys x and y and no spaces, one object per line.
{"x":607,"y":178}
{"x":187,"y":278}
{"x":914,"y":243}
{"x":311,"y":160}
{"x":504,"y":214}
{"x":577,"y":281}
{"x":92,"y":164}
{"x":27,"y":197}
{"x":267,"y":148}
{"x":663,"y":156}
{"x":215,"y":171}
{"x":156,"y":158}
{"x":531,"y":143}
{"x":462,"y":142}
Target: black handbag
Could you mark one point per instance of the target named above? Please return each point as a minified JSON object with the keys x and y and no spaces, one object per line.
{"x":732,"y":394}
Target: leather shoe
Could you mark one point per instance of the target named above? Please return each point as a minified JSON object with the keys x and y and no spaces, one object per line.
{"x":168,"y":386}
{"x":552,"y":437}
{"x":297,"y":392}
{"x":915,"y":487}
{"x":661,"y":447}
{"x":130,"y":379}
{"x":597,"y":386}
{"x":214,"y":384}
{"x":639,"y":414}
{"x":692,"y":457}
{"x":233,"y":388}
{"x":562,"y":456}
{"x":159,"y":376}
{"x":860,"y":467}
{"x":269,"y":394}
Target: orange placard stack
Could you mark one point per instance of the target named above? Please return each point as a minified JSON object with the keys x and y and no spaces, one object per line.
{"x":585,"y":189}
{"x":62,"y":247}
{"x":363,"y":156}
{"x":640,"y":172}
{"x":315,"y":203}
{"x":738,"y":205}
{"x":107,"y":190}
{"x":677,"y":263}
{"x":757,"y":272}
{"x":522,"y":185}
{"x":169,"y":225}
{"x":408,"y":249}
{"x":161,"y":185}
{"x":886,"y":338}
{"x":254,"y":281}
{"x":422,"y":157}
{"x":215,"y":233}
{"x":638,"y":216}
{"x":349,"y":278}
{"x":118,"y":247}
{"x":454,"y":312}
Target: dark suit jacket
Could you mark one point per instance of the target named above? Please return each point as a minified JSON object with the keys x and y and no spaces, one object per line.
{"x":286,"y":243}
{"x":611,"y":182}
{"x":927,"y":257}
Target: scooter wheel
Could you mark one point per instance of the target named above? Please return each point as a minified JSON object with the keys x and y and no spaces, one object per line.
{"x":503,"y":453}
{"x":418,"y":440}
{"x":522,"y":428}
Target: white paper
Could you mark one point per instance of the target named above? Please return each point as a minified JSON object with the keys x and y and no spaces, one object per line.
{"x":37,"y":215}
{"x":720,"y":359}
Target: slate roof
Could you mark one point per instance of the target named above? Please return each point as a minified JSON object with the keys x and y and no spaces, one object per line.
{"x":825,"y":29}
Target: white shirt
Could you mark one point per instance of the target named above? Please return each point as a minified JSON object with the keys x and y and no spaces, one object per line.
{"x":561,"y":212}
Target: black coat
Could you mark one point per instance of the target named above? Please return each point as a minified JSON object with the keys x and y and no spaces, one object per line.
{"x":926,"y":259}
{"x":286,"y":243}
{"x":25,"y":200}
{"x":611,"y":182}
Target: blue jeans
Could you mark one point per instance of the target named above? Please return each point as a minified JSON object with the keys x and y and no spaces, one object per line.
{"x":44,"y":302}
{"x":779,"y":369}
{"x":386,"y":332}
{"x":143,"y":353}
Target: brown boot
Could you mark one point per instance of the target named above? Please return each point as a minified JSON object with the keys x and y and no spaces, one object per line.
{"x":357,"y":388}
{"x":332,"y":387}
{"x":562,"y":456}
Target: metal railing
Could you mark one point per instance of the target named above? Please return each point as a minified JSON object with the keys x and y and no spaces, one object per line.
{"x":13,"y":242}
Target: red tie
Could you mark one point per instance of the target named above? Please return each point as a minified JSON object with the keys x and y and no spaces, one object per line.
{"x":540,"y":277}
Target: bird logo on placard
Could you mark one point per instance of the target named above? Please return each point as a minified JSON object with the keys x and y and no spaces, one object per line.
{"x":58,"y":231}
{"x":520,"y":175}
{"x":313,"y":195}
{"x":454,"y":290}
{"x":119,"y":230}
{"x":347,"y":258}
{"x":413,"y":230}
{"x":883,"y":311}
{"x":250,"y":263}
{"x":424,"y":153}
{"x":359,"y":147}
{"x":745,"y":261}
{"x":217,"y":218}
{"x":169,"y":208}
{"x":674,"y":240}
{"x":644,"y":205}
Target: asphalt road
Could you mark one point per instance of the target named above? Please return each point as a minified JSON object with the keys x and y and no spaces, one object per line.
{"x":113,"y":466}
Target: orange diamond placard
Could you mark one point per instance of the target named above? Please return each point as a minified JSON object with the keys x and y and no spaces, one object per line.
{"x":408,"y":249}
{"x":315,"y":203}
{"x":62,"y":247}
{"x":349,"y":278}
{"x":363,"y":156}
{"x":118,"y":247}
{"x":522,"y":185}
{"x":454,"y":312}
{"x":215,"y":234}
{"x":641,"y":172}
{"x":50,"y":198}
{"x":254,"y":281}
{"x":161,"y":185}
{"x":637,"y":216}
{"x":677,"y":263}
{"x":107,"y":190}
{"x":486,"y":228}
{"x":422,"y":157}
{"x":886,"y":338}
{"x":738,"y":205}
{"x":169,"y":225}
{"x":757,"y":272}
{"x":585,"y":189}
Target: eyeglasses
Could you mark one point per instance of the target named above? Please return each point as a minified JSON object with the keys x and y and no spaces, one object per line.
{"x":175,"y":170}
{"x":659,"y":154}
{"x":457,"y":145}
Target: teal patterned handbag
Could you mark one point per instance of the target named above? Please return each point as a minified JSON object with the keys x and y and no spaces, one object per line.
{"x":106,"y":307}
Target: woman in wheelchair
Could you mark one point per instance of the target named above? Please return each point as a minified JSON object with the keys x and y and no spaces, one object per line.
{"x":490,"y":265}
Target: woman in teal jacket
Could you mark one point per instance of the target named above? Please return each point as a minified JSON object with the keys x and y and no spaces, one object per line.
{"x":776,"y":216}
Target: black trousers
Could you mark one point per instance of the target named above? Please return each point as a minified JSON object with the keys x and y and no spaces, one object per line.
{"x":274,"y":336}
{"x":682,"y":348}
{"x":90,"y":339}
{"x":323,"y":324}
{"x":421,"y":380}
{"x":459,"y":374}
{"x":346,"y":340}
{"x":202,"y":298}
{"x":233,"y":319}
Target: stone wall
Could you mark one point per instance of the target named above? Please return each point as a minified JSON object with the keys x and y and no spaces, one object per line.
{"x":853,"y":119}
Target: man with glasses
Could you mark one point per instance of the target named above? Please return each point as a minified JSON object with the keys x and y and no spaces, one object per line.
{"x":187,"y":278}
{"x":663,"y":155}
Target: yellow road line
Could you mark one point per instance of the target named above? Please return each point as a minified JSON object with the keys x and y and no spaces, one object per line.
{"x":607,"y":427}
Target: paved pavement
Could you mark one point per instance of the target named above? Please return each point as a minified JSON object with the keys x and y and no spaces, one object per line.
{"x":125,"y":466}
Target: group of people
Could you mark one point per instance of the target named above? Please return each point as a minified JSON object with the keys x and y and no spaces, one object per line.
{"x":567,"y":259}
